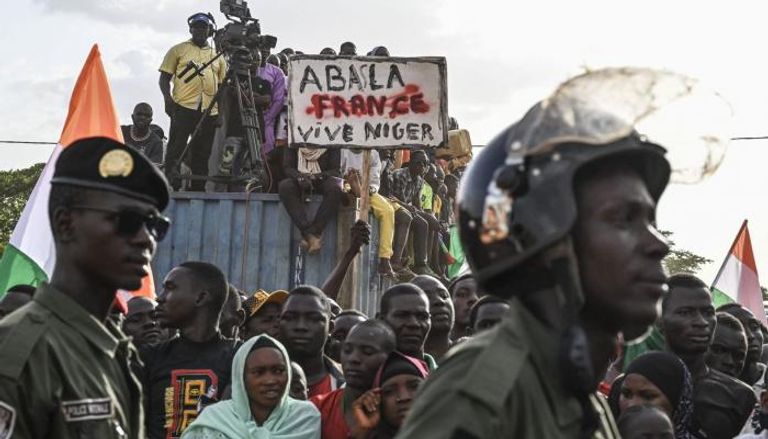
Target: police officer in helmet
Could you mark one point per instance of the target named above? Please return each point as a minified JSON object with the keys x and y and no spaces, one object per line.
{"x":557,"y":215}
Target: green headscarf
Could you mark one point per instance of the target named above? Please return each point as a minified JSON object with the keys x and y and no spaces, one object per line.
{"x":291,"y":419}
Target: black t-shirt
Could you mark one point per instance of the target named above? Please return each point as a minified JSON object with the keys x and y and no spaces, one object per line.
{"x":151,"y":147}
{"x":176,"y":374}
{"x":721,"y":405}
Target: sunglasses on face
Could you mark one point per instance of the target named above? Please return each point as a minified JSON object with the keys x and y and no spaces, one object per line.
{"x":129,"y":222}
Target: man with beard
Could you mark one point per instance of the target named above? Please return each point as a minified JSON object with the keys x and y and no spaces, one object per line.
{"x":464,"y":295}
{"x":141,"y":324}
{"x":405,"y":307}
{"x":721,"y":404}
{"x":196,"y":364}
{"x":366,"y":347}
{"x":141,"y":137}
{"x":441,"y":312}
{"x":304,"y":325}
{"x":67,"y":369}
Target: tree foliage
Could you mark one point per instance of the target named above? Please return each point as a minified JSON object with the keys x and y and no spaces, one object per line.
{"x":680,"y":260}
{"x":15,"y":188}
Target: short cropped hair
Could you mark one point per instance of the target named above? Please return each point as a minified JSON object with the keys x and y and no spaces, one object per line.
{"x":64,"y":196}
{"x":681,"y":280}
{"x":313,"y":291}
{"x":483,"y":301}
{"x":403,"y":289}
{"x":388,"y":339}
{"x":726,"y":320}
{"x":22,"y":289}
{"x":455,"y":282}
{"x":233,"y":296}
{"x":212,"y":279}
{"x":352,"y":312}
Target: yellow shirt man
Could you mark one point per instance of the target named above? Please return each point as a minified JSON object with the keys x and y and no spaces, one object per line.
{"x":197,"y":93}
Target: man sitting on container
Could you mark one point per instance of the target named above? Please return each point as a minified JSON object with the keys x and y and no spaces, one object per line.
{"x":311,"y":170}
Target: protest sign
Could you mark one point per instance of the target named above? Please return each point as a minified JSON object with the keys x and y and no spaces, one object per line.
{"x":367,"y":102}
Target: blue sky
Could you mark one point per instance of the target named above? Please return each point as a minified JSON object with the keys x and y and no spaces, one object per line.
{"x":502,"y":57}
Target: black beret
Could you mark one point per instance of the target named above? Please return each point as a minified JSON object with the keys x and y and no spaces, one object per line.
{"x":105,"y":164}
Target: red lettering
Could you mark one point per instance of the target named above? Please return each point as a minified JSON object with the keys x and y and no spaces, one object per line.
{"x":339,"y":106}
{"x":377,"y":104}
{"x":397,"y":108}
{"x":357,"y":105}
{"x":417,"y":103}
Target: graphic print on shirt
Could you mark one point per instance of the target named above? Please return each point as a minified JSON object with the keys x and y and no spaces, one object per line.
{"x":7,"y":420}
{"x":182,"y":397}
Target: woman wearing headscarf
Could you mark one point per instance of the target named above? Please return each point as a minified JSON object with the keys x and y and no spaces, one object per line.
{"x":260,"y":407}
{"x":659,"y":379}
{"x":380,"y":412}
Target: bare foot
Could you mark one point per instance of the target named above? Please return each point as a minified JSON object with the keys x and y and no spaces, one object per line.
{"x":315,"y":243}
{"x":385,"y":268}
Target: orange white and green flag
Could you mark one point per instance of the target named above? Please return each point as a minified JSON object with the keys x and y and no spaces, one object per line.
{"x":30,"y":256}
{"x":737,"y":279}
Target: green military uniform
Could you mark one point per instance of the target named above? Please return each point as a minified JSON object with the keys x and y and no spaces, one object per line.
{"x":64,"y":374}
{"x":503,"y":384}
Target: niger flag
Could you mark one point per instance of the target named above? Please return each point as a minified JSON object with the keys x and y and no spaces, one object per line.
{"x":737,"y":279}
{"x":30,"y":256}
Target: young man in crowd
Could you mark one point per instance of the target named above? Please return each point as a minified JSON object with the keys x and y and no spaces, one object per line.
{"x":405,"y":307}
{"x":233,"y":314}
{"x":141,"y":137}
{"x":343,"y":322}
{"x":67,"y":369}
{"x":198,"y":361}
{"x":571,"y":227}
{"x":441,"y":313}
{"x":263,"y":314}
{"x":187,"y":102}
{"x":729,"y":346}
{"x":754,"y":370}
{"x":311,"y":171}
{"x":141,"y":324}
{"x":305,"y":322}
{"x":722,"y":404}
{"x":16,"y":297}
{"x":406,"y":192}
{"x":464,"y":295}
{"x":487,"y":313}
{"x":366,"y":347}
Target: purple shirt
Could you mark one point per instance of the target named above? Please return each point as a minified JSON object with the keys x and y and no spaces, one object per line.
{"x":276,"y":78}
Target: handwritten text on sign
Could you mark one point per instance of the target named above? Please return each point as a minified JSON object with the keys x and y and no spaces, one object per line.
{"x":368,"y":102}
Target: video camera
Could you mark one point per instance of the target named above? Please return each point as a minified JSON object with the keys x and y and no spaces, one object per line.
{"x":242,"y":33}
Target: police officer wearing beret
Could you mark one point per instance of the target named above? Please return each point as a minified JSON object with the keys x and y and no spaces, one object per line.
{"x":557,"y":214}
{"x":66,"y":369}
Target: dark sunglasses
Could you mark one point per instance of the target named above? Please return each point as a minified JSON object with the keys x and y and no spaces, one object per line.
{"x":129,"y":222}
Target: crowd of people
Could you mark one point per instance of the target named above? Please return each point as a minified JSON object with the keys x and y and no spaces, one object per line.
{"x":555,"y":331}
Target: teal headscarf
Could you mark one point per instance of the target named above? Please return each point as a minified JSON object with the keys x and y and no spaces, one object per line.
{"x":291,"y":419}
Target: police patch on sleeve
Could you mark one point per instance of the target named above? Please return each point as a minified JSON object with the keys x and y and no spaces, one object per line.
{"x":87,"y":409}
{"x":7,"y":420}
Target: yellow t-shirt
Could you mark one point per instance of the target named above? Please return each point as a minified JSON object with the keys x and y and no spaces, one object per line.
{"x":198,"y":92}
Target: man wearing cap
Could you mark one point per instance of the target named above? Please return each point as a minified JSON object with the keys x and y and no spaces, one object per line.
{"x":67,"y":370}
{"x":263,"y":313}
{"x":193,"y":91}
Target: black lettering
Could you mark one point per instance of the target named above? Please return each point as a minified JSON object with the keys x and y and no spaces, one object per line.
{"x":354,"y":78}
{"x":346,"y":134}
{"x":397,"y":132}
{"x":386,"y":130}
{"x":309,"y":77}
{"x":336,"y":77}
{"x":372,"y":76}
{"x":394,"y":73}
{"x":371,"y":131}
{"x":413,"y":131}
{"x":426,"y":130}
{"x":305,"y":135}
{"x":331,"y":137}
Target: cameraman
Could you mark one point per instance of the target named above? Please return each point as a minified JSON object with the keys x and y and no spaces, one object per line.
{"x":187,"y":104}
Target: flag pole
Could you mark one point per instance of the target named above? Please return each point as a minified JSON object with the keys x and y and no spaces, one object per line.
{"x":730,"y":251}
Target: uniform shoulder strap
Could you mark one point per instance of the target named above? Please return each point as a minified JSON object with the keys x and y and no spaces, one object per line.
{"x":19,"y":338}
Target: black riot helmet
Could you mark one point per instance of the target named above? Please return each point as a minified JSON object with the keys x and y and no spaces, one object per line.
{"x":515,"y":204}
{"x":517,"y":201}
